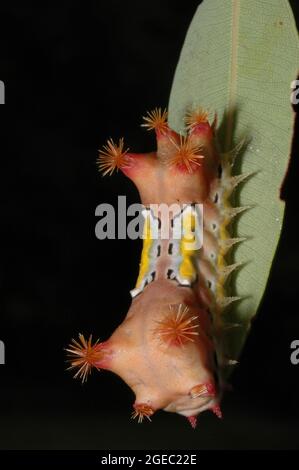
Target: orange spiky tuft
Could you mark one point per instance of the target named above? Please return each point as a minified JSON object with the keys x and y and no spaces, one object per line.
{"x":84,"y":355}
{"x":200,"y":390}
{"x":177,"y":327}
{"x":187,"y":154}
{"x":156,"y":120}
{"x":112,"y":157}
{"x":195,"y":117}
{"x":141,"y":411}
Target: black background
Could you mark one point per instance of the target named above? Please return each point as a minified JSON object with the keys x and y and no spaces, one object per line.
{"x":76,"y":73}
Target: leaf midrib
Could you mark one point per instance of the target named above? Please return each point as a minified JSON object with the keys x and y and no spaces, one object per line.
{"x":232,"y":92}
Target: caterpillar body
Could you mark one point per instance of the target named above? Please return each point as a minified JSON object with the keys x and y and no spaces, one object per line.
{"x":169,"y":348}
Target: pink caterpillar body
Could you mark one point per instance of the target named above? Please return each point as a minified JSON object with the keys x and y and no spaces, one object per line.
{"x":169,"y":347}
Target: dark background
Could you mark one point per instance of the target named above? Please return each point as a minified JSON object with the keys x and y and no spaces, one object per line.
{"x":76,"y":73}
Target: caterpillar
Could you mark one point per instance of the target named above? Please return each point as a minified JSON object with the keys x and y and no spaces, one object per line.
{"x":169,"y":348}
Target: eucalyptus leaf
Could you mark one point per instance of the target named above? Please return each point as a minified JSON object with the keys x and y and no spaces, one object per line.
{"x":239,"y":59}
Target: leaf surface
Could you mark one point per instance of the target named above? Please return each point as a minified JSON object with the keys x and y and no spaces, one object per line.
{"x":239,"y":59}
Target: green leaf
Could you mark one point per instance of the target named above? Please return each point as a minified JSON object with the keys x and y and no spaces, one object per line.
{"x":239,"y":59}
